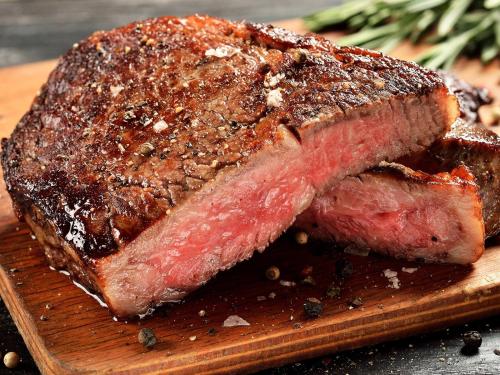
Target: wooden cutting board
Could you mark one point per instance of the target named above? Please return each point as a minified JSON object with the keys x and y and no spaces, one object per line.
{"x":68,"y":332}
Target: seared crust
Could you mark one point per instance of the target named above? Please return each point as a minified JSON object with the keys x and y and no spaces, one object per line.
{"x":459,"y":176}
{"x":134,"y":120}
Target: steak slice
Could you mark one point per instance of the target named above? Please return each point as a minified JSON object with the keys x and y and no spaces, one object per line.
{"x":412,"y":214}
{"x":469,"y":143}
{"x":396,"y":211}
{"x":164,"y":151}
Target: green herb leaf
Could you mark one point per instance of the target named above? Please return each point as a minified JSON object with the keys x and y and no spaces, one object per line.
{"x":461,"y":27}
{"x":455,"y":10}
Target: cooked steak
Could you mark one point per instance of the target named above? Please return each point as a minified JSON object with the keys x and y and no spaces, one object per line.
{"x":468,"y":143}
{"x":414,"y":214}
{"x":164,"y":151}
{"x":399,"y":212}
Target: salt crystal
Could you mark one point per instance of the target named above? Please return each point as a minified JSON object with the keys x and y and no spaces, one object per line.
{"x":160,"y":126}
{"x":115,"y":90}
{"x":274,"y":98}
{"x":222,"y":51}
{"x":287,"y":283}
{"x":392,"y":276}
{"x":235,"y":321}
{"x":409,"y":270}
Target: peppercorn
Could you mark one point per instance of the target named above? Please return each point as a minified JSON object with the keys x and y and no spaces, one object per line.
{"x":301,"y":238}
{"x":355,"y":302}
{"x":147,"y":337}
{"x":273,"y":273}
{"x":472,"y":342}
{"x":343,"y":268}
{"x":313,"y":307}
{"x":333,"y":291}
{"x":11,"y":360}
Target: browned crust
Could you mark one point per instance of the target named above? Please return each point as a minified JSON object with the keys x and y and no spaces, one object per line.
{"x":460,"y":176}
{"x":59,"y":253}
{"x":82,"y":151}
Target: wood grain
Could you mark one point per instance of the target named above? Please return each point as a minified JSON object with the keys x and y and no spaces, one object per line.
{"x":80,"y":336}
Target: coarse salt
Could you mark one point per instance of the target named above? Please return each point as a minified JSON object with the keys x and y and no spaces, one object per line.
{"x":115,"y":90}
{"x":222,"y":51}
{"x":274,"y":98}
{"x":392,"y":276}
{"x":160,"y":126}
{"x":409,"y":270}
{"x":235,"y":321}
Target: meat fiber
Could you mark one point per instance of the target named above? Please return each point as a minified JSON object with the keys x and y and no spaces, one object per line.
{"x":164,"y":151}
{"x":411,"y":214}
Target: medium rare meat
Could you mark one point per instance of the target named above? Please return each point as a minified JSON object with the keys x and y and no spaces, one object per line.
{"x":412,"y":214}
{"x":469,"y":143}
{"x":164,"y":151}
{"x":403,"y":213}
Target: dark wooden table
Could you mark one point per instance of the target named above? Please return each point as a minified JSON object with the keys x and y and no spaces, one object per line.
{"x":32,"y":30}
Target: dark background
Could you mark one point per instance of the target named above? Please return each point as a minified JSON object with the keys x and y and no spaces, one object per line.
{"x":32,"y":30}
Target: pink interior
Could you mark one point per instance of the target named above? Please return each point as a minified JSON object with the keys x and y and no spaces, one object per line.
{"x":246,"y":208}
{"x":428,"y":221}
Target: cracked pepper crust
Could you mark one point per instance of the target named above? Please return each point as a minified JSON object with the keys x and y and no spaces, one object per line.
{"x":134,"y":120}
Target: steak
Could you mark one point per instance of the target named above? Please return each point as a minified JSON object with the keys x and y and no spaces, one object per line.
{"x":164,"y":151}
{"x":469,"y":143}
{"x":432,"y":213}
{"x":396,"y":211}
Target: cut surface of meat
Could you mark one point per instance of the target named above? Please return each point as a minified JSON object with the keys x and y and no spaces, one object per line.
{"x":164,"y":151}
{"x":385,"y":209}
{"x":406,"y":214}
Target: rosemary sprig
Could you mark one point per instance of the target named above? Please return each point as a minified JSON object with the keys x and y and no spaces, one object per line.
{"x":453,"y":27}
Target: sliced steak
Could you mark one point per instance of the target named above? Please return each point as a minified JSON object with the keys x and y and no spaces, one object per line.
{"x":412,"y":214}
{"x":468,"y":143}
{"x":164,"y":151}
{"x":399,"y":212}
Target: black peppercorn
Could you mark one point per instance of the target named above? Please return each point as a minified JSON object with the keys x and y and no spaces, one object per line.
{"x":333,"y":291}
{"x":147,"y":337}
{"x":472,"y":342}
{"x":313,"y":308}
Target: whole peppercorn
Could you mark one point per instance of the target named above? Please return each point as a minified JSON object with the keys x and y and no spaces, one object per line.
{"x":333,"y":291}
{"x":355,"y":302}
{"x":343,"y":268}
{"x":273,"y":273}
{"x":472,"y":342}
{"x":313,"y":307}
{"x":147,"y":337}
{"x":11,"y":360}
{"x":301,"y":238}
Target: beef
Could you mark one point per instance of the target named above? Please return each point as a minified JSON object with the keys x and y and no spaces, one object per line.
{"x":413,"y":214}
{"x":164,"y":151}
{"x":396,"y":211}
{"x":469,"y":143}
